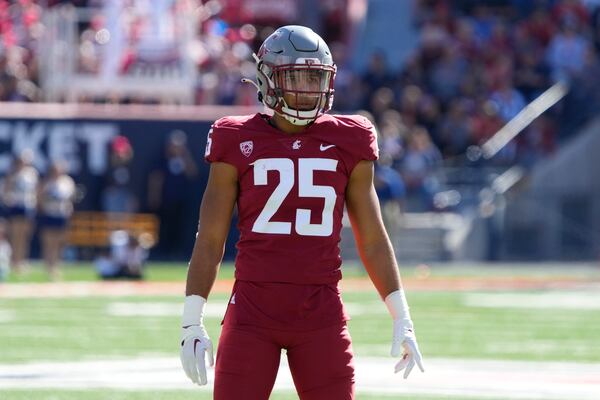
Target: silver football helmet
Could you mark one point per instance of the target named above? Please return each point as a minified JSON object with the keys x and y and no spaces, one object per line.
{"x":295,"y":74}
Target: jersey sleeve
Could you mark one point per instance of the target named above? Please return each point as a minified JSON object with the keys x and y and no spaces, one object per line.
{"x":219,"y":145}
{"x":369,"y":149}
{"x":364,"y":142}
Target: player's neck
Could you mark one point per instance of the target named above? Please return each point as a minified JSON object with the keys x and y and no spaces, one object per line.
{"x":286,"y":126}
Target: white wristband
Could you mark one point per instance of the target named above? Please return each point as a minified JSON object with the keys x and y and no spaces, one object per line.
{"x":193,"y":310}
{"x":397,"y":305}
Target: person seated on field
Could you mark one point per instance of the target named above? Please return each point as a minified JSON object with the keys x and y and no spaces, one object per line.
{"x":126,"y":258}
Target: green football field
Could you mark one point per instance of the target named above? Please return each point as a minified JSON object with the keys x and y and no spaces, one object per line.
{"x":518,"y":314}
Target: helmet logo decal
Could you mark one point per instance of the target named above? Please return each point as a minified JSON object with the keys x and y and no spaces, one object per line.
{"x":247,"y":147}
{"x":307,"y":61}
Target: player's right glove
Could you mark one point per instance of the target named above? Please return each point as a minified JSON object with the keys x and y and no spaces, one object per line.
{"x":403,"y":336}
{"x":195,"y":343}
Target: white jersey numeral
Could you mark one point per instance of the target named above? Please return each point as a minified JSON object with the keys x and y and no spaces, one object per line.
{"x":208,"y":143}
{"x":306,"y":188}
{"x":285,"y":167}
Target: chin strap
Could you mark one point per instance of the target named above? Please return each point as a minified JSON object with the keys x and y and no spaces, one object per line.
{"x":297,"y":121}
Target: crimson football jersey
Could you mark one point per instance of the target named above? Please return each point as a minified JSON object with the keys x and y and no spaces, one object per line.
{"x":291,"y":193}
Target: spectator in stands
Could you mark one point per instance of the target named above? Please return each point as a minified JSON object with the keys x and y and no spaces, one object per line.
{"x":19,"y":196}
{"x":531,"y":75}
{"x":455,"y":131}
{"x":377,"y":74}
{"x":485,"y":121}
{"x":5,"y":252}
{"x":55,"y":200}
{"x":411,"y":98}
{"x":446,"y":75}
{"x":167,"y":193}
{"x":484,"y":21}
{"x":429,"y":115}
{"x":392,"y":136}
{"x":509,"y":101}
{"x":571,"y":9}
{"x":419,"y":164}
{"x":117,"y":195}
{"x":126,"y":258}
{"x":381,"y":101}
{"x":539,"y":26}
{"x":567,"y":52}
{"x":391,"y":191}
{"x":464,"y":39}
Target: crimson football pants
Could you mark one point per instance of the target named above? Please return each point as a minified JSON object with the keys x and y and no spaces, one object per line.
{"x":321,"y":363}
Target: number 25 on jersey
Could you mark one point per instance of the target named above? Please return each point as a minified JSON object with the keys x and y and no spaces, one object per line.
{"x":306,"y":188}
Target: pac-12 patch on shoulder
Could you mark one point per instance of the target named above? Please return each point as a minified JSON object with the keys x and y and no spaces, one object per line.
{"x":247,"y":147}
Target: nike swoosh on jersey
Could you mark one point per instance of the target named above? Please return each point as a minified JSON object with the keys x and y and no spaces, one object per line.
{"x":323,"y":148}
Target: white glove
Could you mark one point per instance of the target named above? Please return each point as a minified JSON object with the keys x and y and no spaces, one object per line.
{"x":195,"y":343}
{"x":403,"y":334}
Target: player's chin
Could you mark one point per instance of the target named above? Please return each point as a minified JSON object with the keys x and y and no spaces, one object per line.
{"x":305,"y":106}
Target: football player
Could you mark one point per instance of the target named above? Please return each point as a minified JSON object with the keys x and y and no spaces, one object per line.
{"x":290,"y":174}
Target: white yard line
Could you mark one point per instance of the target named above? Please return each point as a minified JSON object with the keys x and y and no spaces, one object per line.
{"x":579,"y":300}
{"x":478,"y":378}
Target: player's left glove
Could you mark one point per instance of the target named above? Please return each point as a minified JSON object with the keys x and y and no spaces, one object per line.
{"x":403,"y":337}
{"x":195,"y":343}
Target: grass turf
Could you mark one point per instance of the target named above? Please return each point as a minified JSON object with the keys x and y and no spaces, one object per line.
{"x":180,"y":395}
{"x":70,"y":329}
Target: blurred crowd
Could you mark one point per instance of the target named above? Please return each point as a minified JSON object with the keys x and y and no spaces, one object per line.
{"x":20,"y":30}
{"x":123,"y":37}
{"x":475,"y":66}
